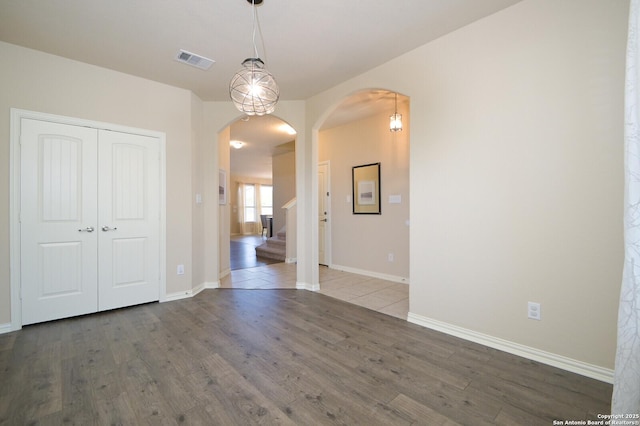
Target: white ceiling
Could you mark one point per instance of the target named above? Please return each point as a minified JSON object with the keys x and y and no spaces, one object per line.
{"x":309,"y":46}
{"x":261,"y":136}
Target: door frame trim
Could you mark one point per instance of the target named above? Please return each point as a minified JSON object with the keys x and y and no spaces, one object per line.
{"x":14,"y":197}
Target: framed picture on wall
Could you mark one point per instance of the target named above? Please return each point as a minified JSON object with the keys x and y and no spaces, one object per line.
{"x":222,"y":187}
{"x":366,"y":189}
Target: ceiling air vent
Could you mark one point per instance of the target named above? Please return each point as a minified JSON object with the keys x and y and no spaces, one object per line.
{"x":194,"y":60}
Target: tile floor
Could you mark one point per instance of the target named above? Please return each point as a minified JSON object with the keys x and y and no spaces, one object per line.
{"x":379,"y":295}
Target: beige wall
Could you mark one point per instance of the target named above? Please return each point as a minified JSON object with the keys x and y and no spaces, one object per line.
{"x":363,"y":242}
{"x":516,"y":173}
{"x":225,"y":210}
{"x":216,"y":119}
{"x":46,"y":83}
{"x":198,"y":238}
{"x":234,"y":225}
{"x":284,"y":183}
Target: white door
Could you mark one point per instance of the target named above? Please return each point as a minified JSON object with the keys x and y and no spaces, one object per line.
{"x":90,"y":220}
{"x":323,"y":213}
{"x":58,"y":212}
{"x":128,"y":219}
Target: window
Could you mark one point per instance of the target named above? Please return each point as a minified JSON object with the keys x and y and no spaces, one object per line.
{"x":249,"y":203}
{"x":266,"y":200}
{"x":258,"y":199}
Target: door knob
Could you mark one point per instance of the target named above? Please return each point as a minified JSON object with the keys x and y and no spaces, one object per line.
{"x":87,"y":229}
{"x":106,"y":228}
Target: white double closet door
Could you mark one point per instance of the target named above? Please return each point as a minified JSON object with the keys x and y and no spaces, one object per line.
{"x":89,"y":220}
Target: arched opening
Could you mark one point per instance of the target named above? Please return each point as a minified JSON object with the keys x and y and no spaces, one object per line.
{"x":363,"y":254}
{"x":257,"y":177}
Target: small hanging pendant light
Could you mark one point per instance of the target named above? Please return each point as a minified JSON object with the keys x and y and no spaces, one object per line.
{"x":395,"y":120}
{"x":253,"y":89}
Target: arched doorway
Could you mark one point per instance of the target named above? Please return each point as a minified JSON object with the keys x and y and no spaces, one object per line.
{"x":257,"y":169}
{"x":372,"y":248}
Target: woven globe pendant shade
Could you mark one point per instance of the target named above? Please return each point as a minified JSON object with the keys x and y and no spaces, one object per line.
{"x":253,"y":89}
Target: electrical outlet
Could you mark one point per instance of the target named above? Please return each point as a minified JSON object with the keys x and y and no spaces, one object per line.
{"x":390,"y":257}
{"x":180,"y":270}
{"x":533,"y":311}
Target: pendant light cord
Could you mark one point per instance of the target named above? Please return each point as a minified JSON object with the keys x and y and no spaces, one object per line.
{"x":257,"y":29}
{"x":253,"y":36}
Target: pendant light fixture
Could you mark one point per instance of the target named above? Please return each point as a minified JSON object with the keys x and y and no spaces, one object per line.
{"x":253,"y":89}
{"x":395,"y":120}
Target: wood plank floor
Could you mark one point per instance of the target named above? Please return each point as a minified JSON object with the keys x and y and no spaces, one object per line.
{"x":293,"y":357}
{"x":242,"y":252}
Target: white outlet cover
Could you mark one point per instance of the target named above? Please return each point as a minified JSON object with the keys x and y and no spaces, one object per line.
{"x":533,"y":311}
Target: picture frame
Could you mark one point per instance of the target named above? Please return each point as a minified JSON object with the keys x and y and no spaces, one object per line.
{"x":366,"y":189}
{"x":222,"y":187}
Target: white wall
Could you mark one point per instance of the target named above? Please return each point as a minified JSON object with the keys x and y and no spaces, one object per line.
{"x":40,"y":82}
{"x":516,"y":173}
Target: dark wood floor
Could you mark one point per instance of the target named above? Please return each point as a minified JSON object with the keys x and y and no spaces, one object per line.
{"x":240,"y":357}
{"x":243,"y":252}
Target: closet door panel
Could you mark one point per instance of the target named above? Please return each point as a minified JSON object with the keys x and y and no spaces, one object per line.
{"x":129,"y":218}
{"x":58,"y":214}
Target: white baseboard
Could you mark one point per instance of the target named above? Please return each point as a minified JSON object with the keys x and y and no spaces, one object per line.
{"x":190,"y":293}
{"x":197,"y":289}
{"x":172,"y":297}
{"x":306,"y":286}
{"x":559,"y":361}
{"x":215,"y":284}
{"x":372,"y":274}
{"x":291,"y":260}
{"x":6,"y":328}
